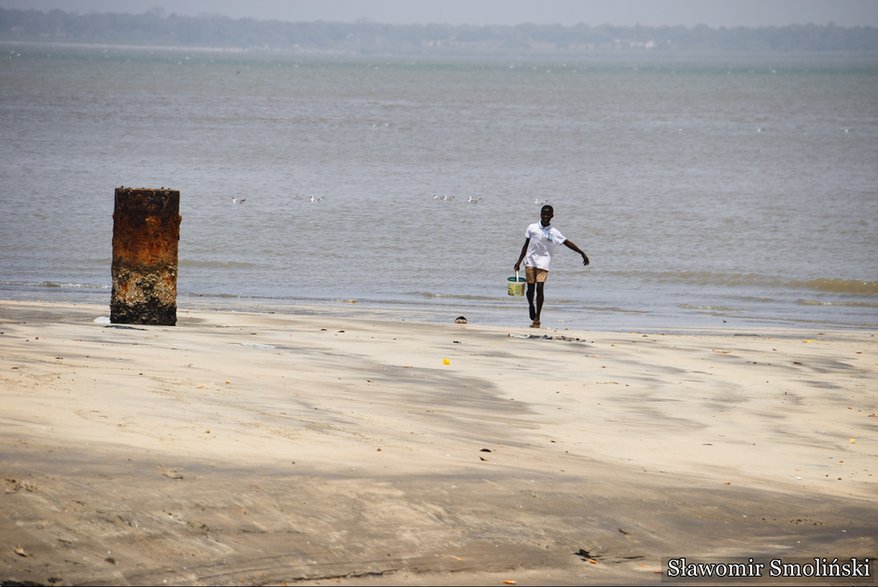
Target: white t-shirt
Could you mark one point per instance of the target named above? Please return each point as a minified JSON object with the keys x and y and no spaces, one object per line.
{"x":543,"y":240}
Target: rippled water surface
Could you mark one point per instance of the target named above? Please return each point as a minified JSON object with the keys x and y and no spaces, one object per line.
{"x":736,"y":189}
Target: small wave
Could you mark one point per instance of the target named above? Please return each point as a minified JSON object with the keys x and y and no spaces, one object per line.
{"x":846,"y":286}
{"x":828,"y":285}
{"x":53,"y":285}
{"x":455,"y":296}
{"x":840,"y":304}
{"x":217,"y":264}
{"x":709,"y":309}
{"x":196,"y":294}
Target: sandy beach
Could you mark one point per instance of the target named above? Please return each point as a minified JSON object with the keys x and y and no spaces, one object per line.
{"x":276,"y":448}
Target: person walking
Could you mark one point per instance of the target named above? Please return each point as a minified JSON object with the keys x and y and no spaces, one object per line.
{"x":541,"y":240}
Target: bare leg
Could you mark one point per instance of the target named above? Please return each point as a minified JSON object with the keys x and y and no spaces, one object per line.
{"x":530,"y":301}
{"x":540,"y":297}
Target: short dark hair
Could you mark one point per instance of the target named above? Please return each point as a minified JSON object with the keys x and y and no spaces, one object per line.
{"x":547,"y":207}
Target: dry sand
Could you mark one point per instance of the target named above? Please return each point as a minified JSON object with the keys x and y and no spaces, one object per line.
{"x":253,"y":448}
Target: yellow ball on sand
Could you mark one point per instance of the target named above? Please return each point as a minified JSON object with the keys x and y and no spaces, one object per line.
{"x":446,"y":361}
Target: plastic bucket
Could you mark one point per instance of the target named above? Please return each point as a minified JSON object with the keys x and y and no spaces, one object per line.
{"x":515,"y":285}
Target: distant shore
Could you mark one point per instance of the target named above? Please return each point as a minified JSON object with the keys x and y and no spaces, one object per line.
{"x":248,"y":447}
{"x":373,"y":38}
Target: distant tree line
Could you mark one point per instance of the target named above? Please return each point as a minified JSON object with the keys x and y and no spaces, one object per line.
{"x":156,"y":28}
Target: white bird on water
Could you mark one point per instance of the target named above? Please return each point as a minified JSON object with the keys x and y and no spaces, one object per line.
{"x":473,"y":200}
{"x":238,"y":201}
{"x":313,"y":200}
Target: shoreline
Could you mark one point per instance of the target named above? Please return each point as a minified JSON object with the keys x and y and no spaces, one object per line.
{"x":490,"y":312}
{"x":259,"y":447}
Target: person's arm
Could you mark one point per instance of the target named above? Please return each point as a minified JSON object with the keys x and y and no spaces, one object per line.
{"x":523,"y":253}
{"x":572,"y":246}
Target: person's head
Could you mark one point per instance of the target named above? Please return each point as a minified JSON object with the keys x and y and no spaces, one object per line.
{"x":546,"y":215}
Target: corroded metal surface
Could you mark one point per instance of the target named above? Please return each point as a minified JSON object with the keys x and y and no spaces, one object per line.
{"x":146,"y":232}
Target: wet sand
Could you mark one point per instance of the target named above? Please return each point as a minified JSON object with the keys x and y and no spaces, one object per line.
{"x":260,"y":448}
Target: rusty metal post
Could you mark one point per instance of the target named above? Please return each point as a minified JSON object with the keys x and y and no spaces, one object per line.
{"x":146,"y":231}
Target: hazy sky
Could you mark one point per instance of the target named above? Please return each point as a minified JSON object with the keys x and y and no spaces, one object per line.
{"x":713,"y":13}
